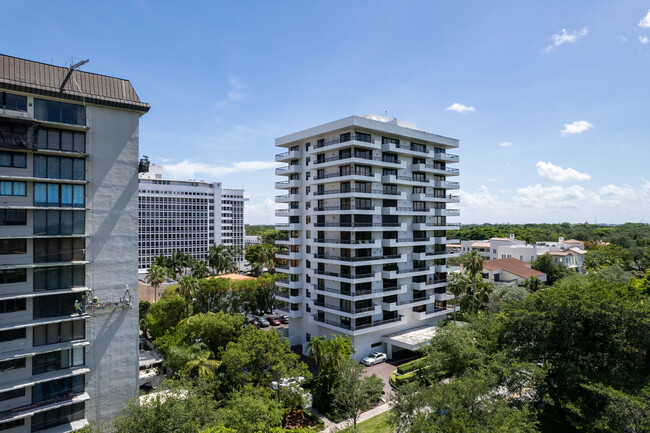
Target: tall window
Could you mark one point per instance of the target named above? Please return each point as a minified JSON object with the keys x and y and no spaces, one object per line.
{"x":61,"y":112}
{"x":13,"y":159}
{"x":59,"y":195}
{"x":13,"y":188}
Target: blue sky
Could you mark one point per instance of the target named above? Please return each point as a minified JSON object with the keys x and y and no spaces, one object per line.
{"x":550,"y":99}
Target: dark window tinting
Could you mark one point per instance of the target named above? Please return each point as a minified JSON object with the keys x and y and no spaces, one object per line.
{"x":55,"y":222}
{"x":9,"y":276}
{"x":55,"y":139}
{"x":55,"y":305}
{"x":61,"y":112}
{"x":58,"y":388}
{"x":59,"y":277}
{"x":12,"y":334}
{"x":13,"y":159}
{"x":58,"y":416}
{"x":13,"y":102}
{"x":12,"y":424}
{"x":12,"y":364}
{"x":13,"y":246}
{"x":62,"y":332}
{"x":13,"y":305}
{"x":13,"y":217}
{"x":53,"y":361}
{"x":59,"y":167}
{"x":59,"y":250}
{"x":14,"y":393}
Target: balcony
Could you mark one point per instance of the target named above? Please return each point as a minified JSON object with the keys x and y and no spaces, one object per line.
{"x":406,"y":242}
{"x":287,"y":296}
{"x":290,"y":241}
{"x":430,"y":284}
{"x":348,"y":311}
{"x":441,"y":312}
{"x":447,"y":198}
{"x":445,"y":184}
{"x":378,"y":260}
{"x":364,"y":176}
{"x":289,"y":169}
{"x":352,"y":192}
{"x":445,"y":157}
{"x":404,"y":148}
{"x":288,"y":226}
{"x":288,"y":212}
{"x":349,"y":277}
{"x":287,"y":184}
{"x":436,"y":169}
{"x":337,"y":242}
{"x":402,"y":210}
{"x":360,"y":329}
{"x":289,"y":284}
{"x":337,"y":210}
{"x":433,"y":226}
{"x":405,"y":180}
{"x":366,"y":226}
{"x":287,"y":198}
{"x":359,"y":295}
{"x":349,"y":140}
{"x":446,"y":212}
{"x":405,"y":273}
{"x":406,"y":303}
{"x":287,"y":156}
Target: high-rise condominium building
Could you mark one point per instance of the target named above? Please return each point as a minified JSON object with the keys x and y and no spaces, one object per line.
{"x":68,"y":246}
{"x":187,"y":216}
{"x":366,"y":250}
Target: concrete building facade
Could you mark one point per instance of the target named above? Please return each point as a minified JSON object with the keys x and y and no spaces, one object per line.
{"x":365,"y":254}
{"x":68,"y":246}
{"x":186,"y":215}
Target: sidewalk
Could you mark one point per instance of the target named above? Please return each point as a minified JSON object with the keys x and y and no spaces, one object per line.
{"x":331,"y":427}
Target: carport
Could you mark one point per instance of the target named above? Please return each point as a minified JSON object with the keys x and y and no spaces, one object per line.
{"x":409,"y":340}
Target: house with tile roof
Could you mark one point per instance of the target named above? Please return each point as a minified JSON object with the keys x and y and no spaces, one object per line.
{"x":510,"y":271}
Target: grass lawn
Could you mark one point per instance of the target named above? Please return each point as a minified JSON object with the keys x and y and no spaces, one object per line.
{"x":377,"y":424}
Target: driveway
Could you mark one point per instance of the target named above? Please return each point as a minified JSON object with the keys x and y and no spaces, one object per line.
{"x":382,"y":370}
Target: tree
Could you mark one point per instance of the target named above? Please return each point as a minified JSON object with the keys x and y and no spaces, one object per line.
{"x":261,"y":256}
{"x":213,"y":294}
{"x":328,"y":354}
{"x":156,"y":276}
{"x":221,"y":258}
{"x":187,"y":285}
{"x":202,"y":366}
{"x":457,"y":287}
{"x":250,"y":412}
{"x":163,"y":261}
{"x":473,"y":264}
{"x":258,"y":358}
{"x":554,"y":272}
{"x":354,"y":394}
{"x":180,"y":261}
{"x":200,"y":270}
{"x":533,"y":284}
{"x":165,"y":314}
{"x":483,"y":290}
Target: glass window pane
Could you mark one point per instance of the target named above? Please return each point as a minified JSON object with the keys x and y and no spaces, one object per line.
{"x":20,"y":160}
{"x":67,"y":113}
{"x":79,"y":276}
{"x":52,"y":333}
{"x":66,"y":250}
{"x":40,"y":222}
{"x":52,"y":250}
{"x":6,"y":188}
{"x":65,"y":354}
{"x":66,"y":277}
{"x":52,"y":194}
{"x":79,"y":141}
{"x":53,"y":223}
{"x":79,"y":115}
{"x":79,"y":169}
{"x":53,"y":279}
{"x":53,"y":111}
{"x":40,"y":279}
{"x":40,"y":109}
{"x":66,"y":222}
{"x":53,"y":140}
{"x":79,"y":222}
{"x":20,"y":188}
{"x":79,"y":246}
{"x":53,"y":167}
{"x":39,"y":336}
{"x":66,"y":331}
{"x":40,"y":250}
{"x":66,"y":140}
{"x":77,"y":356}
{"x":66,"y":195}
{"x":40,"y":194}
{"x":66,"y":168}
{"x":5,"y":159}
{"x":78,"y":329}
{"x":79,"y":198}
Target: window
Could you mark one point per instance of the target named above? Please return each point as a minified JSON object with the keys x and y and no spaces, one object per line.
{"x":58,"y":416}
{"x":59,"y":167}
{"x":54,"y":389}
{"x":59,"y":277}
{"x":13,"y":159}
{"x":10,"y":276}
{"x":13,"y":246}
{"x":55,"y":139}
{"x":60,"y":112}
{"x":14,"y":393}
{"x":12,"y":334}
{"x":361,"y":136}
{"x":59,"y":250}
{"x":12,"y":364}
{"x":13,"y":217}
{"x":12,"y":424}
{"x":55,"y":305}
{"x":55,"y":222}
{"x":12,"y":305}
{"x":62,"y":332}
{"x":59,"y":195}
{"x":13,"y":102}
{"x":13,"y":188}
{"x":52,"y":361}
{"x":388,"y":140}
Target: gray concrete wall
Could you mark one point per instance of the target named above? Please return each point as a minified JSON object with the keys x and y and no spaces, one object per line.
{"x":112,"y":249}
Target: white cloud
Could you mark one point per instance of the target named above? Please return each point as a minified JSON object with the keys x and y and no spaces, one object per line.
{"x":460,"y":108}
{"x":189,"y":169}
{"x":622,"y":38}
{"x":506,"y":144}
{"x":645,"y":21}
{"x":564,"y":37}
{"x":235,"y":93}
{"x":261,"y":212}
{"x":576,"y":127}
{"x":481,"y":199}
{"x":644,"y":39}
{"x":556,"y":197}
{"x":556,"y":173}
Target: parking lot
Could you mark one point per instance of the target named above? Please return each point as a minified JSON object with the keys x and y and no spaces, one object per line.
{"x":382,"y":370}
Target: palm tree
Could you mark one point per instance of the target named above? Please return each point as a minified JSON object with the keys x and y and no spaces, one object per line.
{"x":186,"y":287}
{"x":156,"y":276}
{"x":473,"y":264}
{"x":180,"y":261}
{"x":533,"y":284}
{"x":483,"y":290}
{"x":457,"y":287}
{"x":201,"y":365}
{"x":221,"y":258}
{"x":162,"y":260}
{"x":200,"y":270}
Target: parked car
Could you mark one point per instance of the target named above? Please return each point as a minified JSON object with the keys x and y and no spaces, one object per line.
{"x":374,"y":358}
{"x":274,"y":321}
{"x":255,"y":322}
{"x":264,"y":323}
{"x":284,"y":319}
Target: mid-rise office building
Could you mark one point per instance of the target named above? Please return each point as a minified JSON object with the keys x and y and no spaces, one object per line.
{"x":365,"y":254}
{"x":68,"y":246}
{"x":187,"y":216}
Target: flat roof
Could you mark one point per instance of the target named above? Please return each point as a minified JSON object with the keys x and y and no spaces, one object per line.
{"x":412,"y":338}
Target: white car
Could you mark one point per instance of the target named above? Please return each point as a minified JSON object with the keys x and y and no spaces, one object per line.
{"x":374,"y":358}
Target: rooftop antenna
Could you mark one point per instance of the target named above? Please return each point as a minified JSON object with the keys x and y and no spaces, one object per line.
{"x":70,"y":69}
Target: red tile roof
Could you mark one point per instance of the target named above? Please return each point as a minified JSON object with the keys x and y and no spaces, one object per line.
{"x":513,"y":266}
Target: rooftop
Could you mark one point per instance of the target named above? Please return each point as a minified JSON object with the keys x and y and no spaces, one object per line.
{"x":61,"y":82}
{"x":512,"y":266}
